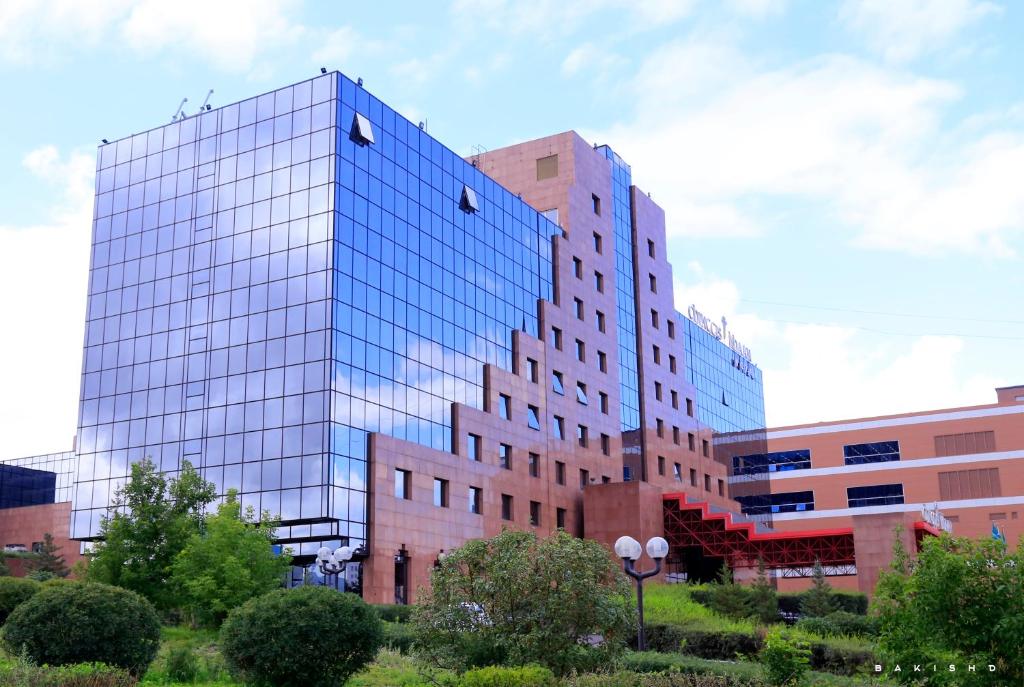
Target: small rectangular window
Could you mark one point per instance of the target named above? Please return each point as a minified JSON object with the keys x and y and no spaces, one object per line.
{"x":547,"y":167}
{"x":505,"y":456}
{"x":578,"y":309}
{"x":506,"y":507}
{"x":653,"y":282}
{"x":677,"y":472}
{"x":654,"y":318}
{"x":533,"y":369}
{"x":660,"y":425}
{"x":721,"y":488}
{"x":581,"y":435}
{"x":533,"y":417}
{"x":476,"y":497}
{"x":691,"y":441}
{"x":661,"y":465}
{"x":581,"y":351}
{"x":672,"y":364}
{"x":584,"y":478}
{"x":440,"y":492}
{"x":605,"y":479}
{"x":473,"y":447}
{"x":597,"y":243}
{"x":606,"y":444}
{"x":650,"y":248}
{"x":558,"y":427}
{"x":535,"y":513}
{"x":577,"y":267}
{"x":656,"y":351}
{"x":705,"y":448}
{"x":581,"y":393}
{"x":657,"y":391}
{"x":675,"y":399}
{"x":675,"y":435}
{"x":693,"y":477}
{"x":557,"y":382}
{"x":671,"y":329}
{"x":560,"y":518}
{"x":602,"y":361}
{"x":534,"y":464}
{"x":403,"y":484}
{"x":689,"y":407}
{"x":877,"y":495}
{"x":599,"y":282}
{"x":556,"y":338}
{"x":600,"y":321}
{"x":707,"y":482}
{"x":597,"y":203}
{"x":505,"y":406}
{"x":559,"y":472}
{"x":604,"y":401}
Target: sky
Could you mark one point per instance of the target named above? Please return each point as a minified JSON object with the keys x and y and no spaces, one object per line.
{"x":844,"y":181}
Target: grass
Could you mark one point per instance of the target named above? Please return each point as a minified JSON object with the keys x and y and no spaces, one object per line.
{"x":671,"y":604}
{"x":744,"y":670}
{"x":392,"y":669}
{"x":203,"y":643}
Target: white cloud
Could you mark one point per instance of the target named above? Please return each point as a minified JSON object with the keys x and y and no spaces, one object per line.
{"x":563,"y":17}
{"x":592,"y":60}
{"x":229,"y":33}
{"x":715,"y":134}
{"x":758,"y":8}
{"x":817,"y":372}
{"x":43,"y":272}
{"x":904,"y":29}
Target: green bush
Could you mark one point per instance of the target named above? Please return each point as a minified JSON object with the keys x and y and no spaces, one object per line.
{"x":14,"y":591}
{"x":311,"y":636}
{"x":25,"y":674}
{"x":851,"y":602}
{"x":181,"y":664}
{"x":502,"y":676}
{"x":662,"y":637}
{"x":394,"y":613}
{"x":76,"y":622}
{"x":840,"y":660}
{"x":625,"y":679}
{"x":399,"y":637}
{"x":720,"y":645}
{"x":784,"y":660}
{"x":840,"y":623}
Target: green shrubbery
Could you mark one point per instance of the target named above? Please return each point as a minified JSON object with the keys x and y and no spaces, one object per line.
{"x":25,"y":674}
{"x":76,"y":622}
{"x":311,"y":636}
{"x":399,"y":636}
{"x":841,"y":623}
{"x":394,"y":613}
{"x":502,"y":676}
{"x":13,"y":592}
{"x":841,"y":599}
{"x":783,"y":659}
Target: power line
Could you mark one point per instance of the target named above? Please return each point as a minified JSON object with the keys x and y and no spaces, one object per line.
{"x":879,"y":312}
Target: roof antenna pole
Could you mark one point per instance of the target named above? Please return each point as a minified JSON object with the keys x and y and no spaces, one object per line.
{"x":204,"y":106}
{"x":179,"y":112}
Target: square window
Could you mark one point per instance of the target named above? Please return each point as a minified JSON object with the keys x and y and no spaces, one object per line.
{"x":403,"y":484}
{"x":547,"y":167}
{"x":558,"y":427}
{"x":581,"y":435}
{"x":506,"y":507}
{"x":535,"y":513}
{"x":534,"y":464}
{"x":533,"y":417}
{"x":559,"y":472}
{"x":505,"y":406}
{"x":473,"y":447}
{"x":597,"y":243}
{"x":597,"y":203}
{"x":581,"y":393}
{"x":557,"y":382}
{"x":505,"y":456}
{"x":440,"y":492}
{"x":476,"y":497}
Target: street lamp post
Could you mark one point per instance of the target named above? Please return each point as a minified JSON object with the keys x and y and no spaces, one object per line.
{"x":333,"y":563}
{"x":629,"y":550}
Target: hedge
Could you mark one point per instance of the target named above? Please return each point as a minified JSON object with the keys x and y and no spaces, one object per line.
{"x":394,"y":613}
{"x":743,"y":673}
{"x":789,"y":602}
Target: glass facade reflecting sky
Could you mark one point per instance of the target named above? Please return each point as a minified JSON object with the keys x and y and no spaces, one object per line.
{"x":730,"y":391}
{"x":264,"y":291}
{"x":60,"y":464}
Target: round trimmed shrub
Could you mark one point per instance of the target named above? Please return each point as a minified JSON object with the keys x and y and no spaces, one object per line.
{"x":76,"y":622}
{"x":13,"y":592}
{"x":309,"y":636}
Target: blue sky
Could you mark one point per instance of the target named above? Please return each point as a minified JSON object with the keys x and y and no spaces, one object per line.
{"x":820,"y":163}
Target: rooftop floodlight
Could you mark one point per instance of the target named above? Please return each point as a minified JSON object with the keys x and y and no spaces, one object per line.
{"x":657,"y":547}
{"x":628,"y":548}
{"x":359,"y":82}
{"x":106,"y":141}
{"x":323,"y":70}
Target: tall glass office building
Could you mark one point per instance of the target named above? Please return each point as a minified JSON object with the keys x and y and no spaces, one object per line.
{"x":272,"y":280}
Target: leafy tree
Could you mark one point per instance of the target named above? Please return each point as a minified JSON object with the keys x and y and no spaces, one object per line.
{"x":516,"y":600}
{"x":817,"y":601}
{"x":230,"y":563}
{"x":727,"y":597}
{"x":962,"y":602}
{"x":149,"y":523}
{"x":764,"y":602}
{"x":47,"y":560}
{"x":783,"y":659}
